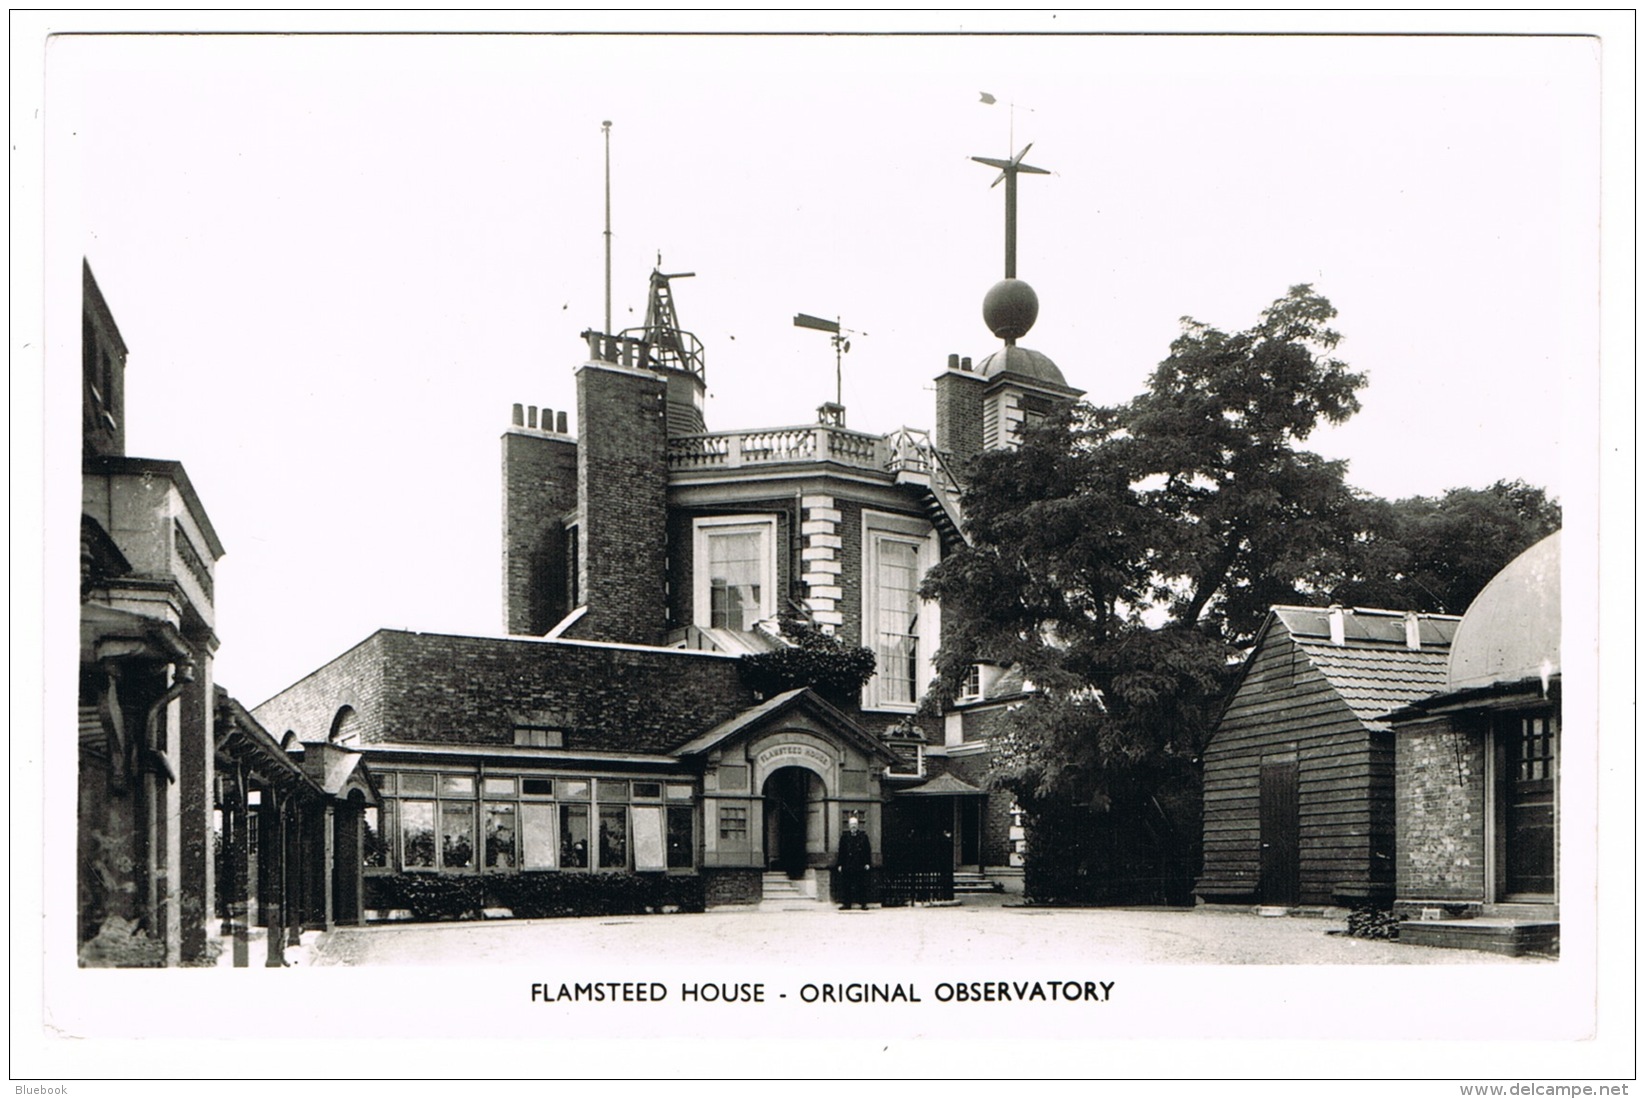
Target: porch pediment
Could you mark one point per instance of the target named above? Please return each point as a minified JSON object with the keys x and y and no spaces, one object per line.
{"x":801,"y":708}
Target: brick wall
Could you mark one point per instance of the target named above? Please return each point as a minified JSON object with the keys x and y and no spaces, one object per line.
{"x":1439,"y":793}
{"x":733,"y":886}
{"x":622,"y":477}
{"x":959,"y":414}
{"x":539,"y":488}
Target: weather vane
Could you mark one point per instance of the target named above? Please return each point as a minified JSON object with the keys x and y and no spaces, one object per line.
{"x":1008,"y":172}
{"x":840,"y":338}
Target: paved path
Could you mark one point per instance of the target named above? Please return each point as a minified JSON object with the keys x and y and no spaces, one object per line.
{"x":913,"y":936}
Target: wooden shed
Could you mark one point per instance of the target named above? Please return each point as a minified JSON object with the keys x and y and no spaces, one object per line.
{"x":1299,"y":772}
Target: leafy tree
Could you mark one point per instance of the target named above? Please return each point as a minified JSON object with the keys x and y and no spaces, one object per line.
{"x":1119,"y":554}
{"x":1436,"y":553}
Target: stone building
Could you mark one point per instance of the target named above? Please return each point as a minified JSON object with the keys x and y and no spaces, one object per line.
{"x":1476,"y":774}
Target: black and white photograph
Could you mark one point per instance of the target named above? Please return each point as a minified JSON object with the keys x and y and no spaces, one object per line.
{"x":783,"y":537}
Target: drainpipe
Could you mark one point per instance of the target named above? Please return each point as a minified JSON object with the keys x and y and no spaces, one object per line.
{"x":153,"y":763}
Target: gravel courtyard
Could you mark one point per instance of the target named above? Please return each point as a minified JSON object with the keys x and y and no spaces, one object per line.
{"x":991,"y":928}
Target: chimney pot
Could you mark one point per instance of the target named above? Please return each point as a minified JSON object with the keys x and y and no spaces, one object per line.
{"x":519,"y":415}
{"x":1339,"y":626}
{"x":1413,"y":631}
{"x":559,"y":422}
{"x":531,"y":416}
{"x":965,"y":363}
{"x":953,"y":362}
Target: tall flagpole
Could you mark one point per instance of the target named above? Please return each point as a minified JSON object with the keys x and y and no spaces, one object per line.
{"x":605,"y":128}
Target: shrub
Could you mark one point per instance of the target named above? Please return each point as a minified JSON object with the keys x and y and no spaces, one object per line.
{"x":832,"y":668}
{"x":534,"y":895}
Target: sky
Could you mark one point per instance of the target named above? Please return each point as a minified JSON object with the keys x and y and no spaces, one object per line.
{"x":339,"y":261}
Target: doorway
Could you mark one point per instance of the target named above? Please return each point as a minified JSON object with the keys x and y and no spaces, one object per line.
{"x":1279,"y":866}
{"x":1528,"y":791}
{"x":793,"y":819}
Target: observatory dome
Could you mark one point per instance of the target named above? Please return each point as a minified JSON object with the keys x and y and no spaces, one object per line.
{"x":1512,"y":630}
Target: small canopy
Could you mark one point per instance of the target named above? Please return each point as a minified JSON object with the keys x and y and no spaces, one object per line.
{"x":944,"y":785}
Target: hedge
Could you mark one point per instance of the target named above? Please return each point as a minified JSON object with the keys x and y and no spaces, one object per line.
{"x":534,"y":895}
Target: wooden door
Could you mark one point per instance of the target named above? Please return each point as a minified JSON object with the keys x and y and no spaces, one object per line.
{"x":1279,"y":868}
{"x":1533,"y":744}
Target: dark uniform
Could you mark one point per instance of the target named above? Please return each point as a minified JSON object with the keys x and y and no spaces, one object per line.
{"x":855,"y":857}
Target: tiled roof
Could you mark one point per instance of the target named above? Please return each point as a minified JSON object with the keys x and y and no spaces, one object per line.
{"x":1373,"y":679}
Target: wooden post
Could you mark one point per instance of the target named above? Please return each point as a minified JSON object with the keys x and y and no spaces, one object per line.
{"x":274,"y":849}
{"x":360,"y":862}
{"x":329,"y":854}
{"x":239,"y":907}
{"x":295,"y":875}
{"x":982,"y":835}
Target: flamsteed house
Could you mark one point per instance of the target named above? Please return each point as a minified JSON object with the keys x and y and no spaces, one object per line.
{"x":614,"y":743}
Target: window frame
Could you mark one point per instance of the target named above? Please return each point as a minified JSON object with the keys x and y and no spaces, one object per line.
{"x":703,"y":529}
{"x":880,"y":528}
{"x":569,"y":795}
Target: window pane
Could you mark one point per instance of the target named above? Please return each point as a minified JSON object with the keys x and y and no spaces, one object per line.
{"x":648,"y":837}
{"x":498,"y":787}
{"x":898,"y":607}
{"x":648,"y":790}
{"x":417,"y":784}
{"x":734,"y":823}
{"x":456,"y":835}
{"x":573,"y":789}
{"x":457,"y":786}
{"x":539,"y":787}
{"x":679,"y":793}
{"x":610,"y":790}
{"x":574,"y":836}
{"x":537,"y":835}
{"x":417,"y":832}
{"x":500,"y":836}
{"x":614,"y":836}
{"x":376,"y":850}
{"x":734,"y":579}
{"x":679,"y":837}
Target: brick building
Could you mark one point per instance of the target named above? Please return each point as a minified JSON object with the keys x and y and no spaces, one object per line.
{"x":1476,"y":773}
{"x":614,"y":736}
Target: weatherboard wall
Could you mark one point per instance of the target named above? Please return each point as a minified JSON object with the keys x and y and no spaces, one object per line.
{"x":1285,"y":708}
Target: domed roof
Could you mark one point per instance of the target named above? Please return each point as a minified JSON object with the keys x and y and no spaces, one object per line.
{"x":1021,"y":360}
{"x":1511,"y":632}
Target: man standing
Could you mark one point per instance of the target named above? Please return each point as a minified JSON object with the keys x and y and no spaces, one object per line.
{"x":852,"y":866}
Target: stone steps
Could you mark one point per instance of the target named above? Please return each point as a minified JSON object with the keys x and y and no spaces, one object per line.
{"x":972,"y":882}
{"x":1496,"y":935}
{"x":780,"y":893}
